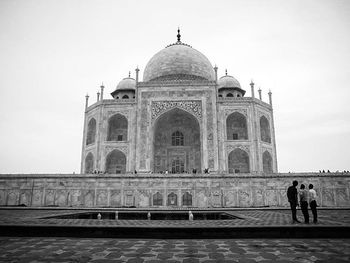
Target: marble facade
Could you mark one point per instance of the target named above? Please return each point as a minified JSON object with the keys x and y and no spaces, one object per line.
{"x":218,"y":128}
{"x":203,"y":191}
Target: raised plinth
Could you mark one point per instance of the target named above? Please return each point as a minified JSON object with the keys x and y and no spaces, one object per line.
{"x":167,"y":190}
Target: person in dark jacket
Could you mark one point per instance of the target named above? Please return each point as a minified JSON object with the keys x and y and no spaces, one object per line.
{"x":292,"y":195}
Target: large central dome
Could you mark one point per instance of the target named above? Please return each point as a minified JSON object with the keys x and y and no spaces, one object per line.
{"x":178,"y":61}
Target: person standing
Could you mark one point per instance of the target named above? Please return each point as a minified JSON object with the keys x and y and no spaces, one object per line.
{"x":312,"y":201}
{"x":303,"y":197}
{"x":292,"y":195}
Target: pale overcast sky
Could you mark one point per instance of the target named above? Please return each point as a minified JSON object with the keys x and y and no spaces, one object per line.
{"x":54,"y":52}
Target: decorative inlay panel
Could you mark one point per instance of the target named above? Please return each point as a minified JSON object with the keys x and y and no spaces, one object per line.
{"x":240,"y":110}
{"x":123,"y":149}
{"x":125,"y":113}
{"x":267,"y":116}
{"x":230,"y":148}
{"x":263,"y":149}
{"x":192,"y":106}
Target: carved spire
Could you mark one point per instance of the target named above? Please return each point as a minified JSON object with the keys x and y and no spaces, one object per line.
{"x":259,"y":90}
{"x":216,"y":73}
{"x":178,"y":42}
{"x":102,"y":88}
{"x":86,"y":101}
{"x":178,"y":35}
{"x":137,"y":74}
{"x":252,"y":88}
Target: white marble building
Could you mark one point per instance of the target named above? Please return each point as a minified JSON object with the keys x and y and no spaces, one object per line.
{"x":181,"y":118}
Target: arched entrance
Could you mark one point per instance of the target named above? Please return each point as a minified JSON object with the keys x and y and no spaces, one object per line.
{"x":267,"y":162}
{"x":116,"y":162}
{"x":117,"y":128}
{"x":91,"y":133}
{"x":172,"y":199}
{"x":265,"y":130}
{"x":89,"y":163}
{"x":236,"y":127}
{"x":177,"y":145}
{"x":238,"y":161}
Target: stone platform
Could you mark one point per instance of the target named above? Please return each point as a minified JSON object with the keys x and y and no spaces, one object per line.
{"x":252,"y":223}
{"x":168,"y":190}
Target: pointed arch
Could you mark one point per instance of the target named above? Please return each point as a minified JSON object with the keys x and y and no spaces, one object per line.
{"x":117,"y":128}
{"x":173,"y":130}
{"x":236,"y":127}
{"x":238,"y":161}
{"x":91,"y":131}
{"x":187,"y":199}
{"x":116,"y":162}
{"x":89,"y":163}
{"x":267,"y":162}
{"x":172,"y":199}
{"x":157,"y":199}
{"x":265,"y":133}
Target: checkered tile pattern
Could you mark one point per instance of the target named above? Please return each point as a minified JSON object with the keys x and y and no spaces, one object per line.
{"x":116,"y":250}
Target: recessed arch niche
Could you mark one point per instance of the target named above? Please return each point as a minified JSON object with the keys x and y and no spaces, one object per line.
{"x":117,"y":128}
{"x":236,"y":127}
{"x":267,"y":162}
{"x":157,"y":199}
{"x":91,"y":132}
{"x":176,"y":142}
{"x":238,"y":161}
{"x":116,"y":162}
{"x":265,"y":130}
{"x":89,"y":163}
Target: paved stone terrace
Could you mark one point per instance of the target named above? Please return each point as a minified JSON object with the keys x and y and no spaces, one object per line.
{"x":250,"y":217}
{"x":36,"y":250}
{"x":63,"y":249}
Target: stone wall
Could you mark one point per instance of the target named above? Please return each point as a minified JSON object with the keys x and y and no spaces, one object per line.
{"x":207,"y":190}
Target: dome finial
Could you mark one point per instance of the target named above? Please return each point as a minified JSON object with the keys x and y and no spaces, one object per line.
{"x":178,"y":35}
{"x":226,"y":72}
{"x":129,"y":74}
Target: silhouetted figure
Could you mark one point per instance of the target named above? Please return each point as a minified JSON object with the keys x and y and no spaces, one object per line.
{"x":303,"y":197}
{"x":292,"y":194}
{"x":313,"y":203}
{"x":328,"y":171}
{"x":323,"y":171}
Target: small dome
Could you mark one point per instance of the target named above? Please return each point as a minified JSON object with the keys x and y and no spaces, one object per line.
{"x":126,"y":84}
{"x":179,"y":61}
{"x":228,"y":81}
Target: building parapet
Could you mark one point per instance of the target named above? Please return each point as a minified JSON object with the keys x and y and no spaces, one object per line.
{"x":159,"y":190}
{"x":111,"y":102}
{"x":243,"y":99}
{"x":172,"y":176}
